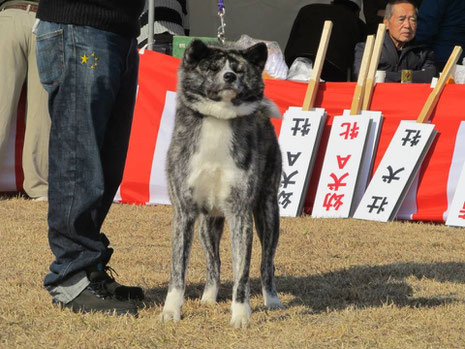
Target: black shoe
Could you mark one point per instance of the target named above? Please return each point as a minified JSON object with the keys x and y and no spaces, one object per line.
{"x":98,"y":274}
{"x":95,"y":298}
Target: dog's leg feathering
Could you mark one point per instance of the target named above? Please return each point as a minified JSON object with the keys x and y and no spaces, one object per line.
{"x":241,"y":227}
{"x":183,"y":229}
{"x":267,"y":225}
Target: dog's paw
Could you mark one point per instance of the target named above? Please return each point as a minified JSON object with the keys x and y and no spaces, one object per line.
{"x":170,"y":315}
{"x":173,"y":305}
{"x":240,"y":315}
{"x":271,"y":301}
{"x":209,"y":295}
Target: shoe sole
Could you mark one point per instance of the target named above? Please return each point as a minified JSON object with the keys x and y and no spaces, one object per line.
{"x":83,"y":310}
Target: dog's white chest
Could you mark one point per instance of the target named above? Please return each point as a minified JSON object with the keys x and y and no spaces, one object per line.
{"x":213,"y":171}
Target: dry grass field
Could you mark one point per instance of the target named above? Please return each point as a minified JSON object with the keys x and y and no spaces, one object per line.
{"x":343,"y":283}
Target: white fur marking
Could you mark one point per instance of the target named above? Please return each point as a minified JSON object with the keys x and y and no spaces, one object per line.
{"x":271,"y":301}
{"x":209,"y":295}
{"x":213,"y":170}
{"x":240,"y":314}
{"x":173,"y":303}
{"x":224,"y":109}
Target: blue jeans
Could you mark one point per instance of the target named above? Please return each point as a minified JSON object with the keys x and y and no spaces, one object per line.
{"x":91,"y":78}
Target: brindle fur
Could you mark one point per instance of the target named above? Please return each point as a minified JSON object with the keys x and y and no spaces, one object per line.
{"x":223,"y":162}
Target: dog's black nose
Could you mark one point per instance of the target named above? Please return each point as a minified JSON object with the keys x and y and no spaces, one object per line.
{"x":229,"y":77}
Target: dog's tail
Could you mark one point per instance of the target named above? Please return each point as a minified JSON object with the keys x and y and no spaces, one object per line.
{"x":270,"y":109}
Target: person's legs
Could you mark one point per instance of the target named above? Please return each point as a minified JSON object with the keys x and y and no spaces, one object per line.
{"x":12,"y":70}
{"x":84,"y":70}
{"x":35,"y":150}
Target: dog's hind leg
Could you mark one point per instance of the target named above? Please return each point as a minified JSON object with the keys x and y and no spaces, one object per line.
{"x":210,"y":231}
{"x":183,"y":229}
{"x":266,"y":216}
{"x":241,"y":227}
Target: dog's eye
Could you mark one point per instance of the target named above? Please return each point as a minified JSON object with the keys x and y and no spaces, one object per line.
{"x":206,"y":65}
{"x":238,"y":68}
{"x":214,"y":67}
{"x":203,"y":65}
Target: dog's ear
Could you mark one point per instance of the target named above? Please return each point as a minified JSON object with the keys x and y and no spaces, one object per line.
{"x":195,"y":52}
{"x":257,"y":54}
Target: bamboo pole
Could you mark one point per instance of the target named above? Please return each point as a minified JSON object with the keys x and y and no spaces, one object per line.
{"x":370,"y":84}
{"x":433,"y":98}
{"x":359,"y":88}
{"x":313,"y":83}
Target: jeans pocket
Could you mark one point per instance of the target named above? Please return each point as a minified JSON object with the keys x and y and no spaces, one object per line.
{"x":50,"y":58}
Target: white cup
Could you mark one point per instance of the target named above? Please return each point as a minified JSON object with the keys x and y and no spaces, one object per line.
{"x":380,"y":76}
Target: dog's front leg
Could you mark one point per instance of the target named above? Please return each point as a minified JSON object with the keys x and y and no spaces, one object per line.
{"x":183,"y":228}
{"x":241,"y":227}
{"x":210,"y":231}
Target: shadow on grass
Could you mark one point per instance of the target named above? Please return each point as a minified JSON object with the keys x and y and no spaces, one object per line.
{"x":358,"y":286}
{"x":370,"y":286}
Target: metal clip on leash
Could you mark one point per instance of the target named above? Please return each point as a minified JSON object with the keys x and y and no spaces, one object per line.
{"x":221,"y":12}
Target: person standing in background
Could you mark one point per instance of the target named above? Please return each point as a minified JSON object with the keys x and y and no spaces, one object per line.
{"x":18,"y":68}
{"x":170,"y":18}
{"x":88,"y":62}
{"x":348,"y":30}
{"x":441,"y":26}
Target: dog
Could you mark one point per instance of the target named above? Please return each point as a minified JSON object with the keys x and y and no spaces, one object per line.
{"x":223,"y":163}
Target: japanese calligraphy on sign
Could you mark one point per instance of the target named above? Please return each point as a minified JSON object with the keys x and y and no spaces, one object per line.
{"x":366,"y":166}
{"x":299,"y":140}
{"x":341,"y":166}
{"x":456,"y":213}
{"x":396,"y":171}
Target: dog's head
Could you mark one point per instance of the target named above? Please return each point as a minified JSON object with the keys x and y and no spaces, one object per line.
{"x":220,"y":81}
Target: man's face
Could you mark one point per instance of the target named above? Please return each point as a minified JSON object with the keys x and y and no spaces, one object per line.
{"x":402,"y":25}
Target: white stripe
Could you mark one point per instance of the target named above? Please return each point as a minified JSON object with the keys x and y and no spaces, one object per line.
{"x":158,"y":187}
{"x":458,"y":160}
{"x":172,"y":4}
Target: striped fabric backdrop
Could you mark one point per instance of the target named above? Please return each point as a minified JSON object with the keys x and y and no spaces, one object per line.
{"x":428,"y":200}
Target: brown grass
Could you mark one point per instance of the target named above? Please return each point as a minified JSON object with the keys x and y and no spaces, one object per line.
{"x":343,"y":283}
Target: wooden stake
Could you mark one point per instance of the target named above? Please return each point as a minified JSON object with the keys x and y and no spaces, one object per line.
{"x":370,"y":84}
{"x":433,"y":98}
{"x":358,"y":93}
{"x":314,"y":81}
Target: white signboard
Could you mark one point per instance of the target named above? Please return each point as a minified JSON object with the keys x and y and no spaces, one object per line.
{"x":396,"y":171}
{"x":456,"y":214}
{"x":299,"y":140}
{"x":369,"y":154}
{"x":341,"y":166}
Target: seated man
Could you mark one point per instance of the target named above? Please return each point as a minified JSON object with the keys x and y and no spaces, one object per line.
{"x":398,"y":52}
{"x":348,"y":30}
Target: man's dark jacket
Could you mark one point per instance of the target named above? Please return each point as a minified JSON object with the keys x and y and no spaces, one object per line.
{"x":305,"y":36}
{"x":417,"y":58}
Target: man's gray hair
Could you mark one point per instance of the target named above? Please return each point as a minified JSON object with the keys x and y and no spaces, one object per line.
{"x":390,"y":7}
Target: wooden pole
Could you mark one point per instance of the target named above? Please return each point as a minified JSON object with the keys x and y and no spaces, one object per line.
{"x":370,"y":84}
{"x":359,"y":88}
{"x":433,"y":98}
{"x":314,"y":81}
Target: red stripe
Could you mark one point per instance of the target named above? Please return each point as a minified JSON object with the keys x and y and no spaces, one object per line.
{"x":19,"y":141}
{"x":157,"y":76}
{"x":396,"y":101}
{"x":432,"y":193}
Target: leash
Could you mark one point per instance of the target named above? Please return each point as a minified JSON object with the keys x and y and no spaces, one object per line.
{"x":221,"y":12}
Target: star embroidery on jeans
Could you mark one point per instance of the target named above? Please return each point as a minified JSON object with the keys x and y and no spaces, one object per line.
{"x":94,"y":56}
{"x":84,"y":59}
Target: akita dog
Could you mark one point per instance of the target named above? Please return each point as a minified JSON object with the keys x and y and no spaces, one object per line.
{"x":223,"y":162}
